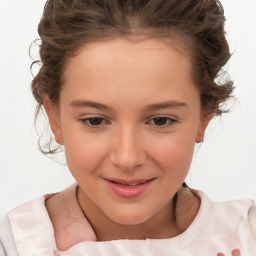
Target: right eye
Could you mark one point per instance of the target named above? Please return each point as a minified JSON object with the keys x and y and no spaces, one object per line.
{"x":93,"y":121}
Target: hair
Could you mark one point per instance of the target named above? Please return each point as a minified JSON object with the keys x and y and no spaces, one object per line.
{"x":197,"y":27}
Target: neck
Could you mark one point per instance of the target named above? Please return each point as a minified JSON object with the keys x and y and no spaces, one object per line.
{"x":162,"y":225}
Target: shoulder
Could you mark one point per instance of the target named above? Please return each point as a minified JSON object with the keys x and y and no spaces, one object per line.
{"x":2,"y":251}
{"x":7,"y":244}
{"x":21,"y":225}
{"x":31,"y":227}
{"x":226,"y":209}
{"x":238,"y":216}
{"x":252,"y":219}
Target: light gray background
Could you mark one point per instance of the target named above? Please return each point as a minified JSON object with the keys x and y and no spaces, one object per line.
{"x":224,"y":166}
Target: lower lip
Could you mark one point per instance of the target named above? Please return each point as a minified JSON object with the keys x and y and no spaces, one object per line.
{"x":128,"y":191}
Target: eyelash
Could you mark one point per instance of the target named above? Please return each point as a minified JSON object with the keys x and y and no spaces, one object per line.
{"x":102,"y":121}
{"x":169,"y":121}
{"x":86,"y":121}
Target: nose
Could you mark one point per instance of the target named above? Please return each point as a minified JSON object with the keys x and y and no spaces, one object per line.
{"x":128,"y":152}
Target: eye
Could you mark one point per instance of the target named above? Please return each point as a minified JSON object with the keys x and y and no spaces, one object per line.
{"x":93,"y":121}
{"x":162,"y":121}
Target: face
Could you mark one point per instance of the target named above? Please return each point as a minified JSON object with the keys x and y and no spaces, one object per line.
{"x":129,"y":116}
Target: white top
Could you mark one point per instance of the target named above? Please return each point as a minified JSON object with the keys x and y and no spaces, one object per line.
{"x":218,"y":227}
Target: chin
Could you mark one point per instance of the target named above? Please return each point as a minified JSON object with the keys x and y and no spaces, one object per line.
{"x":130,"y":217}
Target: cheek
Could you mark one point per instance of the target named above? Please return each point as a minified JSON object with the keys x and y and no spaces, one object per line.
{"x":173,"y":152}
{"x":84,"y":153}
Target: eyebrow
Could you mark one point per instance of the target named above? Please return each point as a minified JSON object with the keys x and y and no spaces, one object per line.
{"x":166,"y":104}
{"x":151,"y":107}
{"x":91,"y":104}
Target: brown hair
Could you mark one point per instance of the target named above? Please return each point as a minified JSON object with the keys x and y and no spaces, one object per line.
{"x":197,"y":25}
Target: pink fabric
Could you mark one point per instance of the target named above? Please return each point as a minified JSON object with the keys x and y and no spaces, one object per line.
{"x":218,"y":227}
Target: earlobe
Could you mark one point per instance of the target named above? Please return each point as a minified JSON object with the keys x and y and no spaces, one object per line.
{"x":202,"y":128}
{"x":54,"y":119}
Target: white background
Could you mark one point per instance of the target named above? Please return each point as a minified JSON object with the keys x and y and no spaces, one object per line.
{"x":224,"y":166}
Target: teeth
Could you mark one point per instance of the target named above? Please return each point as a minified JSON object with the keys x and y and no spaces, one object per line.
{"x":133,"y":184}
{"x":129,"y":185}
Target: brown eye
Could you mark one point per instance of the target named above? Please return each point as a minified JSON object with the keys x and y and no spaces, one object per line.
{"x":160,"y":121}
{"x":93,"y":121}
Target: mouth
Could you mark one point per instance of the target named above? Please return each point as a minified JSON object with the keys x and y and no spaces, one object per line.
{"x":132,"y":183}
{"x":128,"y":188}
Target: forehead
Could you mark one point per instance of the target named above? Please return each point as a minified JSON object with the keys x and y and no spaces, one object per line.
{"x":136,"y":44}
{"x":123,"y":54}
{"x":120,"y":69}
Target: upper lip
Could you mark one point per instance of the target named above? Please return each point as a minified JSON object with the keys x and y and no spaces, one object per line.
{"x":127,"y":182}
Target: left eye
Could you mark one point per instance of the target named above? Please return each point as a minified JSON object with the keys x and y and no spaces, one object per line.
{"x":94,"y":121}
{"x":162,"y":121}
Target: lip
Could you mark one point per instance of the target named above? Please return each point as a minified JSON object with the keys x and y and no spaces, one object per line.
{"x":128,"y":188}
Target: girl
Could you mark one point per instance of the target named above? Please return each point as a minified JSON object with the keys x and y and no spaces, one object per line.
{"x":129,"y":87}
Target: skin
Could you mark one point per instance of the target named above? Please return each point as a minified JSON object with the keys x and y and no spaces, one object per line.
{"x":126,"y":86}
{"x":235,"y":252}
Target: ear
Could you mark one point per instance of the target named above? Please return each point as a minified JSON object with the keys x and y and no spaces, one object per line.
{"x":204,"y":123}
{"x":54,"y":118}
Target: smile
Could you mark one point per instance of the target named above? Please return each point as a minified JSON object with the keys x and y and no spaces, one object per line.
{"x":131,"y":183}
{"x":128,"y":189}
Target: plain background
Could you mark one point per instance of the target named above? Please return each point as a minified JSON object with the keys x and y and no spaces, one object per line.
{"x":224,"y":166}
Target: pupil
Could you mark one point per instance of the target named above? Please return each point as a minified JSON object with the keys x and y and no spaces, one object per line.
{"x":95,"y":121}
{"x":160,"y":120}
